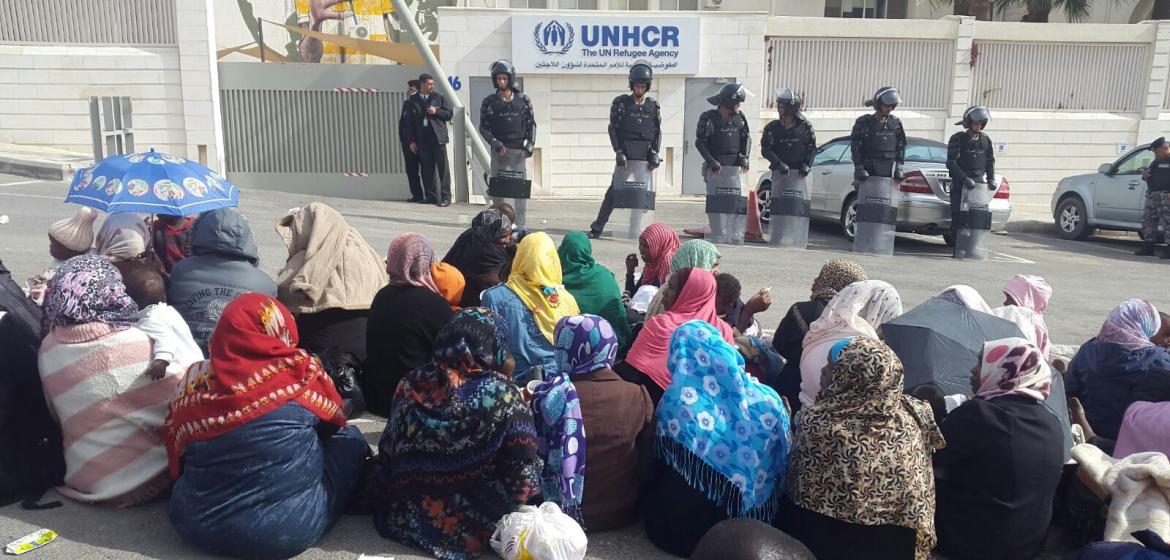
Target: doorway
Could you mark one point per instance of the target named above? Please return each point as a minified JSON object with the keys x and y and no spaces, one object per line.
{"x":697,"y":92}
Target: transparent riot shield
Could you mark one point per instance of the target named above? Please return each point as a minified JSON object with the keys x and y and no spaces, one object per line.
{"x":789,"y":202}
{"x":973,"y":224}
{"x":633,"y":199}
{"x":508,"y":182}
{"x":877,"y":216}
{"x":726,"y":206}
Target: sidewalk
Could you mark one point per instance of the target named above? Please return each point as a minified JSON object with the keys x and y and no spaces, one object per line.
{"x":40,"y":162}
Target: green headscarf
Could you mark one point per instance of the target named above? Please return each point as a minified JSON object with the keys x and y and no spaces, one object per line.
{"x":593,"y":285}
{"x":695,"y":253}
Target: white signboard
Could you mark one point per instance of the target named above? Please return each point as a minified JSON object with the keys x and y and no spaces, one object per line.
{"x":560,"y":44}
{"x":1000,"y":148}
{"x":1122,"y":149}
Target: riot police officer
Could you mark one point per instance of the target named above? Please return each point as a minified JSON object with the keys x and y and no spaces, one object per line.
{"x":506,"y":119}
{"x":1156,"y":211}
{"x":970,"y":160}
{"x":723,"y":140}
{"x":789,"y":141}
{"x":878,"y":142}
{"x":635,"y":132}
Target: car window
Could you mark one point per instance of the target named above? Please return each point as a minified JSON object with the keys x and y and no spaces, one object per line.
{"x":830,"y":153}
{"x":1135,"y":162}
{"x":924,"y":153}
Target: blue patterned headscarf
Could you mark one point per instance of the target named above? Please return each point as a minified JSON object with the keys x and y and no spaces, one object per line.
{"x":584,"y":344}
{"x":723,"y":431}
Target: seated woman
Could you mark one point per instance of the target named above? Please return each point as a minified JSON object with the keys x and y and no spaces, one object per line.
{"x":122,"y":238}
{"x":962,"y":294}
{"x":696,"y":253}
{"x":92,"y":365}
{"x":998,"y":473}
{"x":587,"y":397}
{"x":592,"y":285}
{"x":721,"y":445}
{"x":531,"y":303}
{"x":329,"y":280}
{"x":460,"y":450}
{"x":656,"y":246}
{"x":646,"y":364}
{"x":404,"y":319}
{"x":481,"y":253}
{"x":857,"y":311}
{"x":1120,"y":366}
{"x":263,"y":461}
{"x":450,"y":283}
{"x":1145,"y":427}
{"x":860,"y":482}
{"x":833,"y":277}
{"x":1030,"y":295}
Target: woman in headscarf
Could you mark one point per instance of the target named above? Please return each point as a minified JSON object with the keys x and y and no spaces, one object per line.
{"x":450,"y":283}
{"x":91,"y":366}
{"x":1145,"y":427}
{"x":587,"y":398}
{"x":481,"y":253}
{"x":592,"y":285}
{"x":122,"y":237}
{"x":656,"y":246}
{"x":171,"y":239}
{"x":721,"y":443}
{"x":329,"y":280}
{"x":861,"y":481}
{"x":834,"y":276}
{"x":1120,"y":366}
{"x":1026,"y":299}
{"x":647,"y":362}
{"x":856,"y":311}
{"x":997,"y":476}
{"x":460,"y":450}
{"x":404,"y":319}
{"x":257,"y":442}
{"x":531,"y":303}
{"x":696,"y":253}
{"x":961,"y":294}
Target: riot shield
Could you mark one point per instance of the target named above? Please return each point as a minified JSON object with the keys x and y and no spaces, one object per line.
{"x":508,"y":182}
{"x":789,"y":202}
{"x":973,"y":223}
{"x":726,"y":206}
{"x":877,"y":216}
{"x":633,"y":199}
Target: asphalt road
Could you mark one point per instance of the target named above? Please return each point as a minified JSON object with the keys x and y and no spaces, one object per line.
{"x":1089,"y":279}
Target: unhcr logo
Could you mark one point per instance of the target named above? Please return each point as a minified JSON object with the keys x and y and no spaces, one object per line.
{"x":553,"y":37}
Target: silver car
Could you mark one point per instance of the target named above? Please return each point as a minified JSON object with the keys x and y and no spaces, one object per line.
{"x":1112,"y":198}
{"x":925,"y":205}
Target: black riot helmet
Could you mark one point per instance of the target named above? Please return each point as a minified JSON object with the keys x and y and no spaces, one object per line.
{"x":503,"y":66}
{"x":886,"y":95}
{"x":641,"y":73}
{"x":976,"y":114}
{"x":787,"y":98}
{"x":728,"y":96}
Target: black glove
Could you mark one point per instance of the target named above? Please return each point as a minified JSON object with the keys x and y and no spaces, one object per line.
{"x":713,"y":165}
{"x":860,"y":175}
{"x":804,"y":171}
{"x":497,"y":146}
{"x":621,"y":159}
{"x":969,"y":182}
{"x":653,"y":160}
{"x":528,"y":147}
{"x":742,"y":162}
{"x":898,"y":172}
{"x":782,"y":168}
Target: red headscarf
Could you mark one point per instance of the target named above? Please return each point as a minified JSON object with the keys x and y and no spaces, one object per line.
{"x":255,"y":368}
{"x":695,"y":301}
{"x":662,"y":243}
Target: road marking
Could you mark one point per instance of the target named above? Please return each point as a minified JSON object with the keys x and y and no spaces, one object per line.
{"x":31,"y":195}
{"x":19,"y":183}
{"x":1004,"y":257}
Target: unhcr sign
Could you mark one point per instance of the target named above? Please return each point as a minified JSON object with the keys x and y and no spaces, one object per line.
{"x":569,"y":44}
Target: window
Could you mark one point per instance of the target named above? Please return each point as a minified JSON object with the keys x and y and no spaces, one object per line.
{"x":639,"y":4}
{"x":1136,"y":162}
{"x":926,"y":153}
{"x":534,"y":4}
{"x":882,"y":9}
{"x":830,"y":153}
{"x":684,"y":5}
{"x":572,"y":4}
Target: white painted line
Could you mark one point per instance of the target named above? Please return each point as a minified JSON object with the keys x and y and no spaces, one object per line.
{"x":33,"y":196}
{"x":1004,"y":257}
{"x":19,"y":183}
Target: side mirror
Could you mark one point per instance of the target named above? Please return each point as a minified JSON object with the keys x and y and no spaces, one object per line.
{"x":1105,"y":169}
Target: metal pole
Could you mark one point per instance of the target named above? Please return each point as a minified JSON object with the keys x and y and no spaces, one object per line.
{"x":260,"y":37}
{"x":478,"y":148}
{"x":462,"y":193}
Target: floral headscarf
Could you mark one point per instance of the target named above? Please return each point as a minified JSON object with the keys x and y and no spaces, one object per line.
{"x":408,"y":262}
{"x":584,"y":344}
{"x":1131,"y":324}
{"x":536,"y":279}
{"x":719,"y":428}
{"x":85,"y":289}
{"x":662,"y":243}
{"x":472,"y":343}
{"x":1013,"y":366}
{"x":834,"y":276}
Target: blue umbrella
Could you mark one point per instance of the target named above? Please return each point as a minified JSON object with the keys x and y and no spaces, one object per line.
{"x":152,"y":183}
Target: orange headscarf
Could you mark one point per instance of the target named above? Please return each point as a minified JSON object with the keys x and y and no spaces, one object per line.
{"x":450,"y":283}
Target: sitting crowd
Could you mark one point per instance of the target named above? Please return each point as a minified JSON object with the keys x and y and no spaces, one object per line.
{"x":515,"y":372}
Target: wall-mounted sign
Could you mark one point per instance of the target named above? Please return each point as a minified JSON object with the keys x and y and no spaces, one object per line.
{"x":559,"y":44}
{"x":1001,"y":148}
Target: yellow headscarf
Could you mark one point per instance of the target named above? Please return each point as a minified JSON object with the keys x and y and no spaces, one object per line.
{"x":536,"y":279}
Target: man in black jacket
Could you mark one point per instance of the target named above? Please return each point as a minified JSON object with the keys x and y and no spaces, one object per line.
{"x":409,"y":157}
{"x":427,"y":137}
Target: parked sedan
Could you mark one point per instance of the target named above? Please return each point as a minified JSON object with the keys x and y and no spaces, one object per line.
{"x":1112,"y":198}
{"x":924,"y":196}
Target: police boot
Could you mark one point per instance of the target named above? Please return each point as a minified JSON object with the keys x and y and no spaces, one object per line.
{"x":1147,"y":250}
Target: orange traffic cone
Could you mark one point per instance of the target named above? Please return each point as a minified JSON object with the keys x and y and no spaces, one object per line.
{"x":754,"y":230}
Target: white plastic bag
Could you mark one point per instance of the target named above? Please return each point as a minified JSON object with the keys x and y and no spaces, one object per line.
{"x":543,"y":533}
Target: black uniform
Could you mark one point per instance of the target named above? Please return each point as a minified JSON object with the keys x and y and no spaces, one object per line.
{"x":880,"y":147}
{"x":635,"y":131}
{"x":413,"y":177}
{"x":723,"y":141}
{"x":510,"y":123}
{"x":972,"y":158}
{"x":792,"y":147}
{"x":429,"y":133}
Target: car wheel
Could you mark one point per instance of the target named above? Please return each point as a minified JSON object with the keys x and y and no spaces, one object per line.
{"x":849,"y":217}
{"x":1071,"y":219}
{"x":949,"y":239}
{"x":764,"y":201}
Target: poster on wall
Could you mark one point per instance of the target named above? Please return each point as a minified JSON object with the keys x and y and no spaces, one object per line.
{"x":561,"y":44}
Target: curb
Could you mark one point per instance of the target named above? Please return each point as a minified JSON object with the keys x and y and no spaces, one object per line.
{"x":1030,"y":226}
{"x":59,"y":170}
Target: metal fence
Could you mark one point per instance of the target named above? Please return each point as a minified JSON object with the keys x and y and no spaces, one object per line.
{"x":838,"y":73}
{"x":100,"y":22}
{"x":1060,"y":76}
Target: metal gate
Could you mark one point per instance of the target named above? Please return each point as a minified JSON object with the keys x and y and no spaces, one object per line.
{"x":326,"y":129}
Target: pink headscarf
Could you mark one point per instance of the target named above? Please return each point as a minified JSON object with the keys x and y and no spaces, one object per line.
{"x":696,"y":301}
{"x":1031,"y":294}
{"x":409,"y":262}
{"x":1145,"y":427}
{"x":662,"y":242}
{"x":1013,"y":366}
